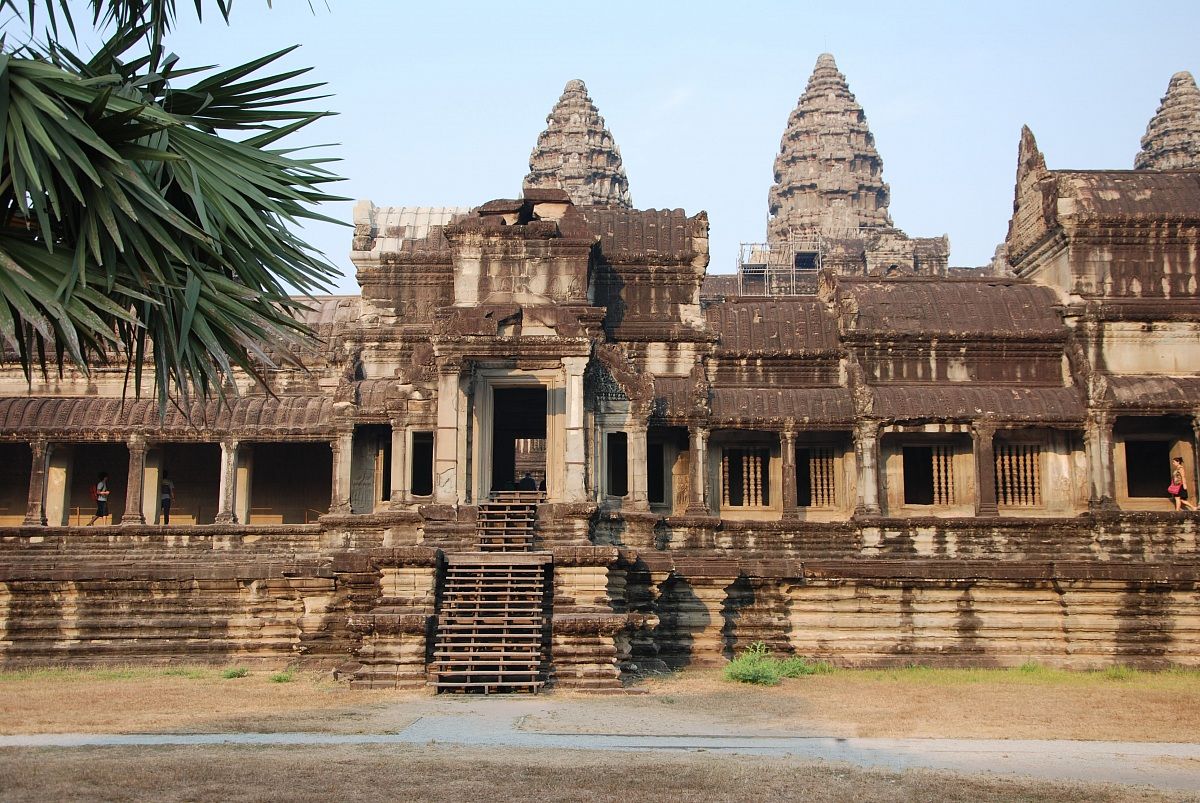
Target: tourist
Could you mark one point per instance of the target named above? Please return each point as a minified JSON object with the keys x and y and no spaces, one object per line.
{"x":100,"y":493}
{"x":1178,"y":490}
{"x":166,"y":495}
{"x":527,"y":483}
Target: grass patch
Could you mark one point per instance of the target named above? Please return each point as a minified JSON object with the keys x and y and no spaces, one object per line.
{"x":283,"y":677}
{"x":756,"y":665}
{"x":235,"y":672}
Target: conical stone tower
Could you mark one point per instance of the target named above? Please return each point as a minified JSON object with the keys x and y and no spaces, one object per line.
{"x":1172,"y":140}
{"x":828,"y":175}
{"x":577,"y":153}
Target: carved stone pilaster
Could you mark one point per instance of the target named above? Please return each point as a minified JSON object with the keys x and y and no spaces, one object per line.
{"x":983,"y":438}
{"x":226,"y":512}
{"x":698,"y":489}
{"x":35,"y":507}
{"x":866,"y":459}
{"x":133,"y":485}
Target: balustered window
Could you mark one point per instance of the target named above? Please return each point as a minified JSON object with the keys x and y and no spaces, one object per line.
{"x":816,"y":485}
{"x":1019,"y":474}
{"x":929,"y":475}
{"x":746,"y":478}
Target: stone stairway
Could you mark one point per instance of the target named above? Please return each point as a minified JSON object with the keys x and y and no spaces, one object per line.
{"x":491,"y":634}
{"x":491,"y":627}
{"x":506,"y":521}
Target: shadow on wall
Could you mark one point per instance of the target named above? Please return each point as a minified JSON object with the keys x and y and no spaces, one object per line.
{"x":1145,"y":626}
{"x":739,"y":597}
{"x":681,"y":615}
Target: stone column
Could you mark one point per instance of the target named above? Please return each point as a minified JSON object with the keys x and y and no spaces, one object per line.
{"x":1098,"y":439}
{"x":399,"y":486}
{"x":228,"y":486}
{"x":787,"y":448}
{"x":1195,"y":478}
{"x":136,"y":479}
{"x":35,"y":507}
{"x":866,"y":458}
{"x":575,"y":461}
{"x":698,"y":445}
{"x":639,"y":491}
{"x":983,"y":438}
{"x":343,"y":455}
{"x":445,"y":444}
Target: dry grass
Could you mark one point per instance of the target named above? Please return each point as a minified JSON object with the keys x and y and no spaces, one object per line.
{"x":429,"y":773}
{"x":998,"y":704}
{"x":181,"y":699}
{"x":1013,"y":704}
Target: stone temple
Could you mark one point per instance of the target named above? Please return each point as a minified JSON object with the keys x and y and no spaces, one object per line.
{"x":545,"y":446}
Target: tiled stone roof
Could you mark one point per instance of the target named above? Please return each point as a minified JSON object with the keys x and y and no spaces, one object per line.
{"x":101,"y":418}
{"x":1121,"y":196}
{"x":952,"y":402}
{"x":1154,"y":392}
{"x":916,"y":307}
{"x":663,"y":236}
{"x":786,"y":327}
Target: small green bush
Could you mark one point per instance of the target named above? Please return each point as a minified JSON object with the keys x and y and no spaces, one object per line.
{"x":282,"y":677}
{"x":236,"y":672}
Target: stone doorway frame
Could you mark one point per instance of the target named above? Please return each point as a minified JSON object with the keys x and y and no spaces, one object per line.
{"x":484,"y":384}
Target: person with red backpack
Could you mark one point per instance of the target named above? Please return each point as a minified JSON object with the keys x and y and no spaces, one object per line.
{"x":100,"y":494}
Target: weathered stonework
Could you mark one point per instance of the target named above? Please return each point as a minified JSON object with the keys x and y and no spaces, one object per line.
{"x":1172,"y":140}
{"x":878,"y":461}
{"x":577,"y":153}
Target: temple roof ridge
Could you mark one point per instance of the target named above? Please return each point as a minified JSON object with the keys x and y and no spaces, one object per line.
{"x":577,"y":153}
{"x":828,"y":173}
{"x":1172,"y":139}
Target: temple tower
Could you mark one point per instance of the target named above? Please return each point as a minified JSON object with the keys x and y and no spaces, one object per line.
{"x":828,"y":175}
{"x":577,"y":153}
{"x":1172,"y":140}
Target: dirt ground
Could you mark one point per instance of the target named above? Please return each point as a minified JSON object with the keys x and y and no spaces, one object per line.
{"x":903,"y":703}
{"x":454,"y":774}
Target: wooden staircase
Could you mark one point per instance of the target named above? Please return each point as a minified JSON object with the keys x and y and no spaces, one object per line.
{"x":491,"y":629}
{"x":506,"y":522}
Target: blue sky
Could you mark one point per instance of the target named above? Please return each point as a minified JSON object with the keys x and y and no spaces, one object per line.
{"x":440,"y":103}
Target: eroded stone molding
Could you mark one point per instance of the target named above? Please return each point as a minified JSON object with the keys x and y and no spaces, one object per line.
{"x":577,"y":153}
{"x":1172,"y":139}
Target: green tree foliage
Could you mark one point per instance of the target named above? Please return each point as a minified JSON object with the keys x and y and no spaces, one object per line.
{"x":146,"y":208}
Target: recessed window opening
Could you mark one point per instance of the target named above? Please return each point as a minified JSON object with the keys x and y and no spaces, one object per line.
{"x":928,"y":475}
{"x":815,"y":484}
{"x":656,"y":473}
{"x":1148,"y":467}
{"x":422,"y":464}
{"x":618,"y":464}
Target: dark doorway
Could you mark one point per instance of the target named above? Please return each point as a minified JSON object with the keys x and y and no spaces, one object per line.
{"x":918,"y":475}
{"x":16,"y":466}
{"x":195,"y":471}
{"x":422,"y":464}
{"x":1148,"y":468}
{"x":618,"y":464}
{"x":656,"y":474}
{"x":518,"y":414}
{"x":804,"y":479}
{"x":291,"y":483}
